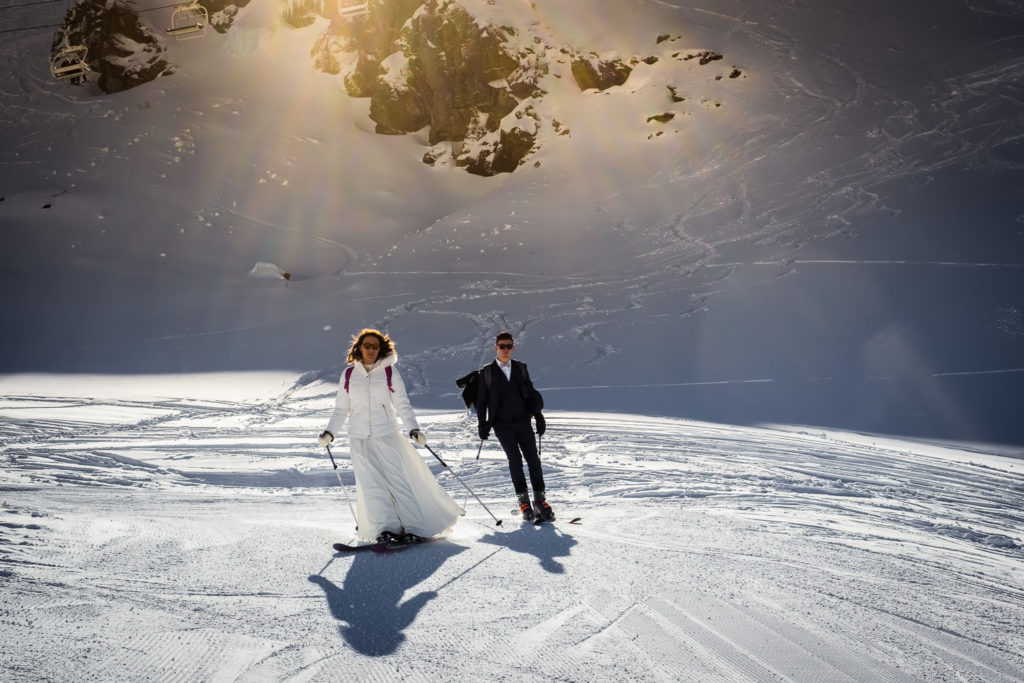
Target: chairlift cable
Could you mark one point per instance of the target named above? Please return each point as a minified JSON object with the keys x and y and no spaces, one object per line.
{"x":44,"y":2}
{"x":29,"y":4}
{"x":29,"y":28}
{"x":151,"y":9}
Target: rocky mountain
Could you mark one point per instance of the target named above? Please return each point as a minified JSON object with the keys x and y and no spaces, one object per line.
{"x":477,"y":84}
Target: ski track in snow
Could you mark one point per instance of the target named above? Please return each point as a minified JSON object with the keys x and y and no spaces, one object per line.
{"x":189,"y":539}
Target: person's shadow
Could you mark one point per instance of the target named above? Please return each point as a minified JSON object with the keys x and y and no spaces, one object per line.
{"x":367,"y":603}
{"x":546,"y":542}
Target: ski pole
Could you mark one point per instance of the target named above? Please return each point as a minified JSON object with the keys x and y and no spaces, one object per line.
{"x":343,"y":490}
{"x":459,"y":479}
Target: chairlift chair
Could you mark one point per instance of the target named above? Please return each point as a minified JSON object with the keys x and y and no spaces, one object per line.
{"x":69,"y":61}
{"x":189,"y":20}
{"x":347,"y":10}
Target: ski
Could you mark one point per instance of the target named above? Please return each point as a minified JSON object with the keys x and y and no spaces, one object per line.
{"x":389,"y":548}
{"x":345,"y":548}
{"x":379,"y":548}
{"x":539,"y":521}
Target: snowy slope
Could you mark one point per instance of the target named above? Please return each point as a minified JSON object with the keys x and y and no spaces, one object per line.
{"x":833,"y":238}
{"x":161,"y":531}
{"x":781,"y":339}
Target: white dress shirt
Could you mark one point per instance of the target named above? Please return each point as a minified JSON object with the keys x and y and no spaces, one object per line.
{"x":506,"y":368}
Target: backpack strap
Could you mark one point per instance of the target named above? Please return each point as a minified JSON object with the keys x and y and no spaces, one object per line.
{"x":534,"y":400}
{"x":348,"y":377}
{"x":524,"y":375}
{"x":487,"y":375}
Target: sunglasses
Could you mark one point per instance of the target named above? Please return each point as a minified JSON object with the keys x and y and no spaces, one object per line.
{"x":371,"y":345}
{"x":506,"y":346}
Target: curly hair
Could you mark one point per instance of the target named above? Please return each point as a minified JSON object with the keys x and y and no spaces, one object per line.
{"x":355,"y":353}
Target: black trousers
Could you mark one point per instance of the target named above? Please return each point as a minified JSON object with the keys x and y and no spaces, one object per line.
{"x":520,"y":444}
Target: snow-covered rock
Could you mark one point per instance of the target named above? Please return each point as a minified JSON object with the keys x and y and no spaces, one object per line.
{"x":471,"y":74}
{"x":120,"y":49}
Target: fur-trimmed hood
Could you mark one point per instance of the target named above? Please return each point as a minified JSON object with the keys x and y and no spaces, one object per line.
{"x":387,"y":361}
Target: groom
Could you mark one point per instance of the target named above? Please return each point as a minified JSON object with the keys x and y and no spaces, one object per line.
{"x":505,"y":401}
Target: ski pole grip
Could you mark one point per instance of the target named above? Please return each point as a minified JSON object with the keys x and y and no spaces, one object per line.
{"x":332,"y":456}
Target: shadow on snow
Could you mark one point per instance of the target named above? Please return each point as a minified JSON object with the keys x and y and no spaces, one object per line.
{"x":545,"y":542}
{"x":369,"y":602}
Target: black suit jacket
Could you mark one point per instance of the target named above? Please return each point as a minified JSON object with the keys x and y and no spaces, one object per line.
{"x":493,"y":403}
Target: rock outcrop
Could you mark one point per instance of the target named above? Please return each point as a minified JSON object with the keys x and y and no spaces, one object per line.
{"x":474,"y":84}
{"x":432,"y":64}
{"x":223,"y":13}
{"x":120,"y":49}
{"x":593,"y":72}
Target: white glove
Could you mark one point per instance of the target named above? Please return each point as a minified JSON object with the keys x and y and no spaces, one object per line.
{"x":325,"y":438}
{"x":419,"y":437}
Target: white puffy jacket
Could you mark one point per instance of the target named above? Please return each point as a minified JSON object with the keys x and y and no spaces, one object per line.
{"x":369,"y":406}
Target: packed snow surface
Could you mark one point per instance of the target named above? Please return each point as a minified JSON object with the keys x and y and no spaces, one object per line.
{"x":163,"y":529}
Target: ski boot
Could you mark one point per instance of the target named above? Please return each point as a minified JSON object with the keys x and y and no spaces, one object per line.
{"x":389,"y":537}
{"x":410,"y":539}
{"x":524,"y":506}
{"x":541,"y":508}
